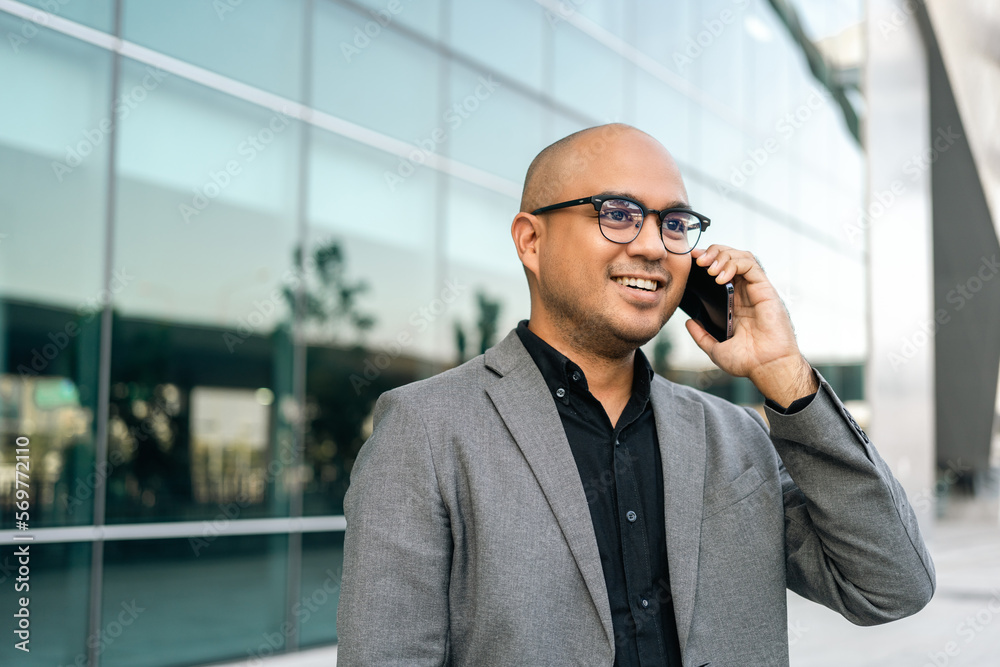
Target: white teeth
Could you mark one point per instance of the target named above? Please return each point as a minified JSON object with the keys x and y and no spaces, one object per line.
{"x":649,"y":285}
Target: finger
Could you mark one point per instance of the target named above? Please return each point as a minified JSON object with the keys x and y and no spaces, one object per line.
{"x":710,"y":254}
{"x":724,"y":266}
{"x":734,"y":263}
{"x":702,"y":338}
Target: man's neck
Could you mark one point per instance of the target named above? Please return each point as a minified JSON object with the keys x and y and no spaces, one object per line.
{"x":608,"y":379}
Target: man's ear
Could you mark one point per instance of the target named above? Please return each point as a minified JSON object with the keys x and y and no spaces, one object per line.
{"x":527,"y":230}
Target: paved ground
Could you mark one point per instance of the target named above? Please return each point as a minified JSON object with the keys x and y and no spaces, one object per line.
{"x":959,"y":628}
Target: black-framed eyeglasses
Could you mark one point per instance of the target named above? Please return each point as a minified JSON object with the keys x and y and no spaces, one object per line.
{"x":621,"y":221}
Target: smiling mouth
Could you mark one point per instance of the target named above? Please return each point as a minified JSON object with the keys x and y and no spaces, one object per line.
{"x":639,"y":283}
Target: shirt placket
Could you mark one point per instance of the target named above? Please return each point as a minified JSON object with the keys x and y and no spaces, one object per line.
{"x":635,"y":550}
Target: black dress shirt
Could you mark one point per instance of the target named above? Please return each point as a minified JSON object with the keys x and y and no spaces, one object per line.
{"x":619,"y":466}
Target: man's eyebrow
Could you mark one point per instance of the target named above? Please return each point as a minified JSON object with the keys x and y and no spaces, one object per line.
{"x":677,"y":203}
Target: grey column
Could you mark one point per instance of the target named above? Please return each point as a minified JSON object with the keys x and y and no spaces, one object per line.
{"x":966,"y":281}
{"x":897,"y":223}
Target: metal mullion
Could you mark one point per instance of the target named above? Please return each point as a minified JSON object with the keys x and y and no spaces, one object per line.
{"x":293,"y":583}
{"x":104,"y":366}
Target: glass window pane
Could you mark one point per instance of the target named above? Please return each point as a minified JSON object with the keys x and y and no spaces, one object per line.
{"x":97,"y":14}
{"x":59,"y":585}
{"x":588,"y":76}
{"x":377,"y":214}
{"x":202,"y":174}
{"x":491,"y":126}
{"x":721,"y":147}
{"x":247,"y":41}
{"x":202,"y":354}
{"x":390,"y":84}
{"x":423,"y":16}
{"x":196,"y":600}
{"x":667,"y":115}
{"x":504,"y":34}
{"x":386,"y":232}
{"x":322,"y":570}
{"x":53,"y":166}
{"x":715,"y":44}
{"x":481,"y":255}
{"x":608,"y":14}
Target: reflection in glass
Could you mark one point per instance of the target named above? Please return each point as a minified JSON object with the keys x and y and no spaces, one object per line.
{"x":370,"y":79}
{"x":247,"y":41}
{"x":322,"y":567}
{"x":53,"y":178}
{"x":195,"y":600}
{"x":507,"y":34}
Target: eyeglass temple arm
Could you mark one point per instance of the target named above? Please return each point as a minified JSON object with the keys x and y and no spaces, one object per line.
{"x":565,"y":204}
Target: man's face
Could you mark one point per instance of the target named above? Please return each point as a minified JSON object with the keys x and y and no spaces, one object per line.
{"x":580,"y":272}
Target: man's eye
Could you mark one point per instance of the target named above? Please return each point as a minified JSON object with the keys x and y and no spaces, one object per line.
{"x":618,"y":216}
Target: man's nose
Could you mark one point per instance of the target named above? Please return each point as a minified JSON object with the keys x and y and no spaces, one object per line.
{"x":649,"y":242}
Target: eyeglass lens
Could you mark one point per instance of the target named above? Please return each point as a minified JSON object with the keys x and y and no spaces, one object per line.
{"x":621,"y":219}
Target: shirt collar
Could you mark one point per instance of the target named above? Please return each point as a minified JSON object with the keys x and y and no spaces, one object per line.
{"x":560,"y":372}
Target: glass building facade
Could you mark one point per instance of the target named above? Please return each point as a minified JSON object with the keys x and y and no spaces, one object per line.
{"x":226,"y":227}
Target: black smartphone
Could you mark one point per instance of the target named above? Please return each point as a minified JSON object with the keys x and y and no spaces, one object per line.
{"x":709,"y":303}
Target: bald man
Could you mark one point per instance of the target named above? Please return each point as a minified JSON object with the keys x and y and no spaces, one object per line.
{"x":554,"y":502}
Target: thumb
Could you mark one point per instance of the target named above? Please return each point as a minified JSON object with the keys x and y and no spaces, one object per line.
{"x":702,"y":338}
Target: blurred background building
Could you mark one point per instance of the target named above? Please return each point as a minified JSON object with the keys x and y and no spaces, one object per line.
{"x":226,"y":226}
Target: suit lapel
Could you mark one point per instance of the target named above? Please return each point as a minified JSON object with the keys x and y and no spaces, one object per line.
{"x":680,"y":426}
{"x":522,"y":399}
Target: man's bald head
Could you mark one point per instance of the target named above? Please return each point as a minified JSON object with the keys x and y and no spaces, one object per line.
{"x":559,"y":163}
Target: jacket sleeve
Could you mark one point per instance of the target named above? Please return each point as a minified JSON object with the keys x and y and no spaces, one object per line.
{"x":397,"y":548}
{"x":851,"y":538}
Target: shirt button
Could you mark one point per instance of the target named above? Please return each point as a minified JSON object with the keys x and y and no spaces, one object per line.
{"x":576,"y":376}
{"x":560,"y":392}
{"x":631,"y":516}
{"x":644,"y":603}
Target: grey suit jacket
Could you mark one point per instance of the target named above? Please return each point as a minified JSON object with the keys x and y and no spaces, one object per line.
{"x":469,"y":539}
